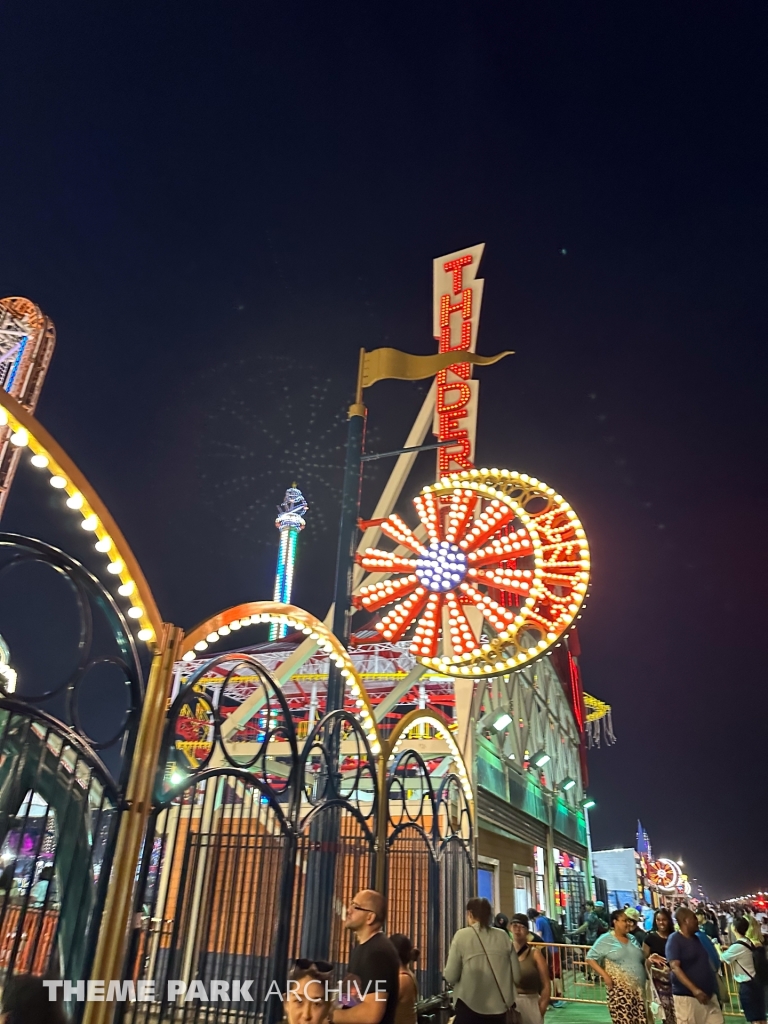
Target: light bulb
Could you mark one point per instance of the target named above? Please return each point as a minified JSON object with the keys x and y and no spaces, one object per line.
{"x":90,"y":523}
{"x":58,"y":482}
{"x":41,"y":461}
{"x":75,"y":500}
{"x":127,"y":588}
{"x":134,"y":612}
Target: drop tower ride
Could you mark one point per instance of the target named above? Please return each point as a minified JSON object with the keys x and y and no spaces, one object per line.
{"x":290,"y":523}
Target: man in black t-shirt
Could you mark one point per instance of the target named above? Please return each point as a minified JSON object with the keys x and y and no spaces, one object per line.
{"x":374,"y":963}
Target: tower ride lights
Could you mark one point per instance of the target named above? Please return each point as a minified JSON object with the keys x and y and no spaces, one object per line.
{"x":290,"y":524}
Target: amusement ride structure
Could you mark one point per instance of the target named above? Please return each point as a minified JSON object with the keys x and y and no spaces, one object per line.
{"x":275,"y":763}
{"x":290,"y":524}
{"x":27,"y":339}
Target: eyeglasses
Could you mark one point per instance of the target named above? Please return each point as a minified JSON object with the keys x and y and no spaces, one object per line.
{"x":366,"y":910}
{"x":321,"y":966}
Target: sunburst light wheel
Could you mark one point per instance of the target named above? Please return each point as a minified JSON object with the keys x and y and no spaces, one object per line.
{"x":491,"y":579}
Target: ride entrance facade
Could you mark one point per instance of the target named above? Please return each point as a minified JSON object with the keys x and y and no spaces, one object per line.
{"x":196,"y":807}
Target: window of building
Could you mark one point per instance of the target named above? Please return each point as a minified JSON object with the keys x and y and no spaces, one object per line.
{"x":488,"y":880}
{"x":541,"y":886}
{"x":523,"y":890}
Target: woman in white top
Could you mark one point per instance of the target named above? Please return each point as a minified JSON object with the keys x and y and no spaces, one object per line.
{"x":741,"y":958}
{"x":482,"y":968}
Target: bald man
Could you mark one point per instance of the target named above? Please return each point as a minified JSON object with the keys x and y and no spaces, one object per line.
{"x":694,"y":982}
{"x":374,"y":963}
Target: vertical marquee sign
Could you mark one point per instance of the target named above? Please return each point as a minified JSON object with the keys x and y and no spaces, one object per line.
{"x":457,"y":298}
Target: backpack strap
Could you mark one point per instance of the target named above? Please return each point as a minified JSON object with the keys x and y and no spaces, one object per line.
{"x":498,"y":986}
{"x":751,"y":947}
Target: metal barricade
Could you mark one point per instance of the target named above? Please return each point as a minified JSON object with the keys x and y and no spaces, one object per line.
{"x":570,"y":978}
{"x":573,"y":981}
{"x":729,"y":993}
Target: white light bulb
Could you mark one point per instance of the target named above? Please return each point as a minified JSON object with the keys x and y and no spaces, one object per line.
{"x":75,"y":500}
{"x":41,"y":461}
{"x":126,"y":588}
{"x":20,"y":438}
{"x":104,"y":545}
{"x":90,"y":523}
{"x":58,"y":482}
{"x":135,"y":612}
{"x":115,"y":567}
{"x":145,"y":634}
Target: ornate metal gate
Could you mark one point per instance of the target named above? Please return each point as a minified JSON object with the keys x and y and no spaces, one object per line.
{"x":251,"y":854}
{"x":428,"y":862}
{"x":70,"y":699}
{"x":248,"y":859}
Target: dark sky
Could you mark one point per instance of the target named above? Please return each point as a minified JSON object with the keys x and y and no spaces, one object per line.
{"x":210,"y":199}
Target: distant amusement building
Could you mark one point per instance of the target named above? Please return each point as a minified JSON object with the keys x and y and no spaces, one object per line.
{"x":27,"y":337}
{"x":290,"y":524}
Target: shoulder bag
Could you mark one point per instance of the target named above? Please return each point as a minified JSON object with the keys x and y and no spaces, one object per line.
{"x":512,"y":1014}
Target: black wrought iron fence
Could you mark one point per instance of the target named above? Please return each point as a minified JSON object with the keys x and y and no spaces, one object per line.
{"x":70,"y":700}
{"x":253,"y":851}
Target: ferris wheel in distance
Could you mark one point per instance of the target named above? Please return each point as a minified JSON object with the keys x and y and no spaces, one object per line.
{"x":490,"y":579}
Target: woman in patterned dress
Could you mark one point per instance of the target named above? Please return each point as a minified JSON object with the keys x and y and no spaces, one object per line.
{"x":620,"y":962}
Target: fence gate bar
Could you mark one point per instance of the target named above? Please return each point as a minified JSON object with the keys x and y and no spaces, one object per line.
{"x":67,"y":734}
{"x":235,"y":854}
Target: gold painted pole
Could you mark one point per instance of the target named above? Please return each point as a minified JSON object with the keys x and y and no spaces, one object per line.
{"x":360,"y":375}
{"x":383,"y":822}
{"x":114,"y":931}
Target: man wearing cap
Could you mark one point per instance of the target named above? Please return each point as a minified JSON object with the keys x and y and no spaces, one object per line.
{"x":635,"y":931}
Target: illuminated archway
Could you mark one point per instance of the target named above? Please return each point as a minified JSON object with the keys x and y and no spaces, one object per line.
{"x":48,"y":456}
{"x":419,"y":716}
{"x":253,"y":612}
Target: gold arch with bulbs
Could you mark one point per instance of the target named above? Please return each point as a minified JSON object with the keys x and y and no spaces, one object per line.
{"x":420,"y":716}
{"x":47,"y":455}
{"x":253,"y":612}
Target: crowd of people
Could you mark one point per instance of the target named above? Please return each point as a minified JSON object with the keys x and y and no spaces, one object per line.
{"x":655,"y":966}
{"x":681,"y":961}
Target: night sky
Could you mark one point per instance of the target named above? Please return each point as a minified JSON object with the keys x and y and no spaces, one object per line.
{"x":218,"y":203}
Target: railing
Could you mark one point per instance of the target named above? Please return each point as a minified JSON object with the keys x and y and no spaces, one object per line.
{"x":729,"y":993}
{"x":570,"y":978}
{"x":573,"y":981}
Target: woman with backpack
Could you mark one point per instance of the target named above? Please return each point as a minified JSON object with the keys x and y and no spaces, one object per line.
{"x":745,"y":965}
